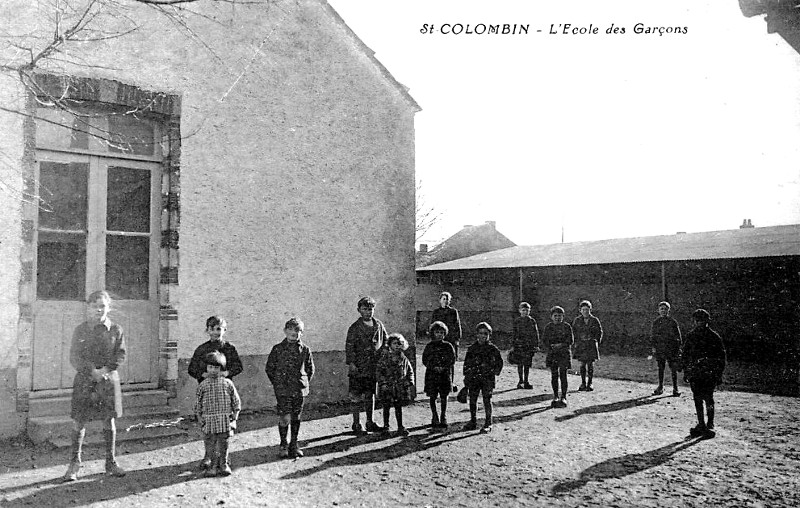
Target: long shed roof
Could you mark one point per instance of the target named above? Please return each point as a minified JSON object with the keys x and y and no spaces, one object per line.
{"x":727,"y":244}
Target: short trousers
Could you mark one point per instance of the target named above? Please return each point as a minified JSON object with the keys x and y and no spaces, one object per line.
{"x":360,"y":386}
{"x":290,"y":404}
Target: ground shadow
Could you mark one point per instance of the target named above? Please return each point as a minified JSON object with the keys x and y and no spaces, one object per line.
{"x":611,"y":407}
{"x":416,"y":442}
{"x":625,"y":465}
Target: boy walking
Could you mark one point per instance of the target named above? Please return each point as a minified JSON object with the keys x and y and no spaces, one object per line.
{"x":217,"y":409}
{"x":482,"y":364}
{"x":364,"y":340}
{"x":665,"y":337}
{"x":704,"y":362}
{"x":290,"y":367}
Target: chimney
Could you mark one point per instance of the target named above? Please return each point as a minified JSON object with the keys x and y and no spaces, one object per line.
{"x":492,"y":223}
{"x":467,"y":226}
{"x":423,"y":248}
{"x":746,"y":224}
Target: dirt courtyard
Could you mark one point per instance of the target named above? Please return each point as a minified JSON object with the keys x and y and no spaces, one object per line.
{"x":616,"y":446}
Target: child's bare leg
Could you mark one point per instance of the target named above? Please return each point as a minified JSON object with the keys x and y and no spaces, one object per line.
{"x":661,"y":366}
{"x":78,"y":435}
{"x":386,"y":410}
{"x":283,"y":428}
{"x":434,"y":414}
{"x":487,"y":408}
{"x":554,"y":381}
{"x":398,"y":414}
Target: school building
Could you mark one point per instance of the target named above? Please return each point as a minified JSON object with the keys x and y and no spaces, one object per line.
{"x":253,"y":160}
{"x":747,"y":278}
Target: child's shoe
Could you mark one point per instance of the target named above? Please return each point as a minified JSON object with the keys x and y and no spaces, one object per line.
{"x":212,"y":471}
{"x":697,"y":430}
{"x":709,"y":433}
{"x":225,"y":470}
{"x":527,"y":385}
{"x":562,"y":402}
{"x":676,"y":393}
{"x":520,"y":385}
{"x":373,"y":427}
{"x":113,"y":469}
{"x":486,"y":429}
{"x":358,"y":430}
{"x":471,"y":425}
{"x":402,"y":432}
{"x":72,"y":471}
{"x":443,"y":423}
{"x":589,"y":388}
{"x":284,"y":451}
{"x":295,"y":452}
{"x":204,"y":465}
{"x":554,"y":404}
{"x":384,"y":429}
{"x":658,"y":391}
{"x":582,"y":387}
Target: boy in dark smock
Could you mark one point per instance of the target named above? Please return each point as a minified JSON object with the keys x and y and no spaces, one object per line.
{"x":290,"y":367}
{"x":439,"y":357}
{"x":525,"y":343}
{"x":98,"y":349}
{"x":665,"y":339}
{"x":449,"y":316}
{"x":588,"y":335}
{"x":557,"y":337}
{"x":364,"y":340}
{"x":216,"y":327}
{"x":482,"y":364}
{"x":704,"y":362}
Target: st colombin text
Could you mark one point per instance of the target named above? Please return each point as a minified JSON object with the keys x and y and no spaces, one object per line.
{"x":554,"y":29}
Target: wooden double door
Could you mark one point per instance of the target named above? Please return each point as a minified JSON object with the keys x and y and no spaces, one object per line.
{"x":97,"y":228}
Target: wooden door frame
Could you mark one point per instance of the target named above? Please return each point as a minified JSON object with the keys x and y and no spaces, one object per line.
{"x":97,"y":194}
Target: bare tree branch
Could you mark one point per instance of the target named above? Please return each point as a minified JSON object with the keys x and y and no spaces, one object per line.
{"x":427,"y":215}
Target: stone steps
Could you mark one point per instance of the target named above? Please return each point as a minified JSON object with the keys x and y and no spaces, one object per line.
{"x":146,"y":415}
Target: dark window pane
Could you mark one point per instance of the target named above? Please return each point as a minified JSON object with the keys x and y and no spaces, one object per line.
{"x":128,"y":201}
{"x":61,"y":266}
{"x":131,"y":135}
{"x":128,"y":266}
{"x":63,"y":195}
{"x":56,"y":128}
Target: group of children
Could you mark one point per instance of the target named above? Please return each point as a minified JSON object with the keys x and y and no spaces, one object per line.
{"x":377,"y":367}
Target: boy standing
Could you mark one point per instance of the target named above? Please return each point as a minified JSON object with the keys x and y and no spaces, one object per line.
{"x":290,"y":367}
{"x":217,"y":408}
{"x":364,"y":340}
{"x":482,"y":364}
{"x":525,"y":343}
{"x":439,"y":357}
{"x":449,"y":316}
{"x":665,"y":337}
{"x":704,"y":362}
{"x":216,"y":327}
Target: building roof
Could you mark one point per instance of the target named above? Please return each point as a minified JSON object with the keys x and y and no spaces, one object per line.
{"x":469,"y":241}
{"x":727,"y":244}
{"x":402,"y":89}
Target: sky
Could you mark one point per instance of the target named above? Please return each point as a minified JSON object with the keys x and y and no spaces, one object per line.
{"x":596,"y":135}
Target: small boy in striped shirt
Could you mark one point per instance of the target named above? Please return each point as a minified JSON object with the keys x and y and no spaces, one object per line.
{"x":217,"y":408}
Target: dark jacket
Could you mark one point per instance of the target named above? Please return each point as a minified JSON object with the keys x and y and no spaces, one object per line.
{"x":449,"y":316}
{"x":703,"y":356}
{"x":482,"y":364}
{"x":558,"y":339}
{"x":665,"y":338}
{"x":524,"y":340}
{"x":588,"y":336}
{"x":197,"y":365}
{"x":362,"y":346}
{"x":290,"y":368}
{"x":442,"y":355}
